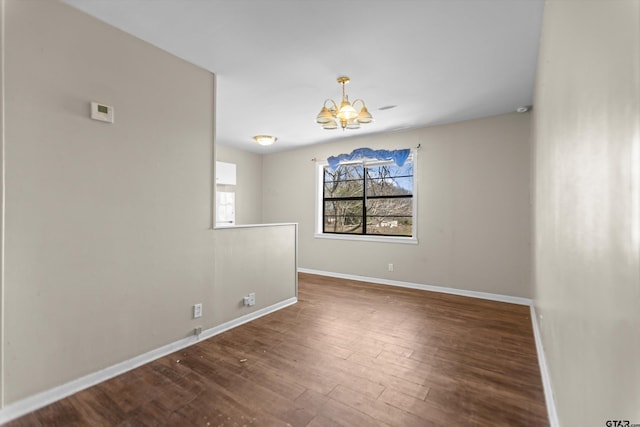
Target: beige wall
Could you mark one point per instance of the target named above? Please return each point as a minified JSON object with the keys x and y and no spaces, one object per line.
{"x":108,"y":236}
{"x":108,"y":240}
{"x":248,"y":186}
{"x":253,"y":259}
{"x":474,"y":207}
{"x":107,"y":226}
{"x":587,"y":208}
{"x":2,"y":27}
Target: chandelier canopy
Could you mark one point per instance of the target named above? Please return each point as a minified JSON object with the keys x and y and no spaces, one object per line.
{"x":346,"y":115}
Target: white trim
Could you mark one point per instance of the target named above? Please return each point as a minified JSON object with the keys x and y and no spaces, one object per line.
{"x":297,"y":258}
{"x":37,"y":401}
{"x":320,"y":164}
{"x":424,"y":287}
{"x":544,"y":372}
{"x":2,"y":201}
{"x":246,"y":318}
{"x":318,"y":234}
{"x":415,"y":190}
{"x":232,"y":226}
{"x":368,"y":238}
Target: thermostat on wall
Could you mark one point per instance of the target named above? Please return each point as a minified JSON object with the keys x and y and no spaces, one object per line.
{"x":102,"y":112}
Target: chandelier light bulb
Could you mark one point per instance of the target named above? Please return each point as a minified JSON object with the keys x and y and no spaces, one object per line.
{"x":346,"y":111}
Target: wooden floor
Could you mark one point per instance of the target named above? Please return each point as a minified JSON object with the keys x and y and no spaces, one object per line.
{"x":348,"y":354}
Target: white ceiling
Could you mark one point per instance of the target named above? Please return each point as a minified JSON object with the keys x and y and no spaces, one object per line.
{"x":276,"y":61}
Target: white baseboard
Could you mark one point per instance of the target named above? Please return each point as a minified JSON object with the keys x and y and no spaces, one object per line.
{"x":544,"y":372}
{"x":32,"y":403}
{"x":246,"y":318}
{"x":37,"y":401}
{"x":424,"y":287}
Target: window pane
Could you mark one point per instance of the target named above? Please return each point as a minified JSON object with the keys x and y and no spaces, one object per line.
{"x":344,"y":172}
{"x":390,"y":187}
{"x":346,"y":181}
{"x":390,"y":170}
{"x":389,"y":180}
{"x":390,"y":226}
{"x":390,"y":207}
{"x":343,"y":189}
{"x":343,"y":216}
{"x":390,"y":216}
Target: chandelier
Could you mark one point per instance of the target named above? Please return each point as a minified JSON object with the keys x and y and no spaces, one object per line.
{"x":346,"y":115}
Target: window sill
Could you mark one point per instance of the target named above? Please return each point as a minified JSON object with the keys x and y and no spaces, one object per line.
{"x":382,"y":239}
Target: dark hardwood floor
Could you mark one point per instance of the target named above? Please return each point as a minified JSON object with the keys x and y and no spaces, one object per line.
{"x":348,"y":354}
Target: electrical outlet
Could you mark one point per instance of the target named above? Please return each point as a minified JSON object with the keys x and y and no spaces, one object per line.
{"x":246,"y":301}
{"x":390,"y":267}
{"x":197,"y":311}
{"x":252,"y":298}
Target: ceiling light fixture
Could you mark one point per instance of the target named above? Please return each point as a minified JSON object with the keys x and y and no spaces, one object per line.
{"x":346,"y":114}
{"x":265,"y":139}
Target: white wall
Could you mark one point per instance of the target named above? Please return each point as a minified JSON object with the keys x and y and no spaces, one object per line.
{"x":587,"y":208}
{"x":474,"y":207}
{"x":248,"y":186}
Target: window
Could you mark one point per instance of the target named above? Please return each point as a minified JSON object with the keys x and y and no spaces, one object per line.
{"x":225,"y":208}
{"x":369,"y":198}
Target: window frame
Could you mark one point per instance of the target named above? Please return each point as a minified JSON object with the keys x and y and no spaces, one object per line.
{"x":319,"y":208}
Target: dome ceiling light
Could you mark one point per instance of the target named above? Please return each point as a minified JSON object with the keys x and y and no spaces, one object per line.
{"x":265,"y":139}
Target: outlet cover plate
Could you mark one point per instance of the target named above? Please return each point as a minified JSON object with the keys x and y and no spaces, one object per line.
{"x":197,"y":311}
